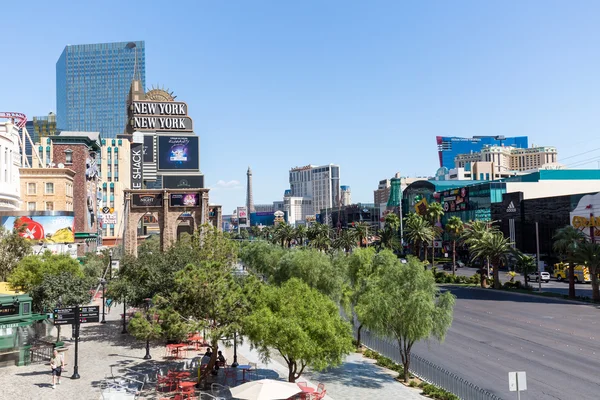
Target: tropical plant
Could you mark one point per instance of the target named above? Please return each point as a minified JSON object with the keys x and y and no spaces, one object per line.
{"x":418,"y":231}
{"x":454,"y":227}
{"x":475,"y":230}
{"x":524,"y":265}
{"x":434,"y":212}
{"x":319,"y":236}
{"x":495,"y":247}
{"x":566,"y":241}
{"x":346,"y":240}
{"x":588,"y":254}
{"x":300,"y":234}
{"x":362,"y":232}
{"x":303,"y":325}
{"x":403,"y":302}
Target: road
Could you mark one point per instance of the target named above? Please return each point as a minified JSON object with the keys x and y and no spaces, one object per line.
{"x":581,"y":289}
{"x":554,"y":341}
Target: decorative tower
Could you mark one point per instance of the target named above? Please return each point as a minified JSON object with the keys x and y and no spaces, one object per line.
{"x":249,"y":199}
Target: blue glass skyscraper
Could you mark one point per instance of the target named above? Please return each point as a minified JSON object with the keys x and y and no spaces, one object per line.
{"x":451,"y":146}
{"x":92,"y":83}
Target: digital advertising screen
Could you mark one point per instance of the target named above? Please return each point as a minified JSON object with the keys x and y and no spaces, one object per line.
{"x":184,"y":199}
{"x":42,"y":228}
{"x":178,"y":153}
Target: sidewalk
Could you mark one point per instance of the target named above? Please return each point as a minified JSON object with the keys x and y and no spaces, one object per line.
{"x":357,"y":378}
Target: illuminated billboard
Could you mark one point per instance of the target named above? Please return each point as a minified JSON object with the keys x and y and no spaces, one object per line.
{"x":44,"y":228}
{"x":184,"y":199}
{"x":178,"y":153}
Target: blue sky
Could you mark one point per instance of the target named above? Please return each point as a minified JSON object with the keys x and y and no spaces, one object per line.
{"x":366,"y":85}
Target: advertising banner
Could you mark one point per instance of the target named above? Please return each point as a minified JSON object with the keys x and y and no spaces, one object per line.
{"x":149,"y":149}
{"x":455,"y":200}
{"x":242,"y":215}
{"x":147,"y":200}
{"x":44,"y":228}
{"x":585,"y":215}
{"x":159,"y":116}
{"x":136,"y":165}
{"x":183,"y":182}
{"x":108,"y":218}
{"x":184,"y":199}
{"x":178,"y":153}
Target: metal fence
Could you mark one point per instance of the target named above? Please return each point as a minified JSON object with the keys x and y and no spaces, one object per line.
{"x":40,"y":353}
{"x":426,"y":370}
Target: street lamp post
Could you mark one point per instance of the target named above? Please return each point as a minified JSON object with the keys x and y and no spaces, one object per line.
{"x":234,"y":364}
{"x":110,"y":254}
{"x":103,"y":283}
{"x":147,"y":356}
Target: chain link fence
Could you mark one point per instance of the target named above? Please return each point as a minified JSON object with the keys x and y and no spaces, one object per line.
{"x":426,"y":370}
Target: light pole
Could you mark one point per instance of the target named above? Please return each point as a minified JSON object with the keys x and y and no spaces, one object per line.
{"x":234,"y":364}
{"x":147,"y":356}
{"x":110,"y":254}
{"x":103,"y":283}
{"x":124,"y":314}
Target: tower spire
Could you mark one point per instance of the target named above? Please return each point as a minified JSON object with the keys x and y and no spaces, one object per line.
{"x":249,"y":198}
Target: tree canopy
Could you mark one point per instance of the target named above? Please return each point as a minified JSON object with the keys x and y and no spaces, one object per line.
{"x":13,"y":247}
{"x":301,"y":324}
{"x":403,"y":302}
{"x":32,"y":269}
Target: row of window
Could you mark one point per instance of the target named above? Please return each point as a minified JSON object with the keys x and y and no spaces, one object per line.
{"x":48,"y":206}
{"x":48,"y":188}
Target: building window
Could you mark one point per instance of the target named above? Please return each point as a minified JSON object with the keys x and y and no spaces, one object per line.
{"x":49,"y":188}
{"x":31,"y":206}
{"x":31,"y":188}
{"x":49,"y":206}
{"x":68,"y":156}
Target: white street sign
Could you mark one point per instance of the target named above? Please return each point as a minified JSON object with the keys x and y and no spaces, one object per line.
{"x":517,"y":381}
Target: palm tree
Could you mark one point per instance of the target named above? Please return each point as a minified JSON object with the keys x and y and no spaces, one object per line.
{"x":566,"y":241}
{"x":362,"y":232}
{"x":392,"y":222}
{"x":319,"y":236}
{"x":346,"y":240}
{"x":454,"y":227}
{"x":300,"y":234}
{"x":418,"y":231}
{"x":588,"y":254}
{"x":474,"y":231}
{"x":389,"y":235}
{"x":254,"y":231}
{"x":525,"y":264}
{"x":495,"y":247}
{"x":433,"y":214}
{"x":284,"y":233}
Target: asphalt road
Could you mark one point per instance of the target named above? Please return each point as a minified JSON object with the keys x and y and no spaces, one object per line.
{"x":555,"y":342}
{"x":581,"y":289}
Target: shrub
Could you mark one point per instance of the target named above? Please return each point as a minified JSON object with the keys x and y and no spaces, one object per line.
{"x":412,"y":384}
{"x":475,"y":279}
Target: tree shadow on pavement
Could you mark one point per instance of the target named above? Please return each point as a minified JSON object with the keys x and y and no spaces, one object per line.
{"x":358,"y":374}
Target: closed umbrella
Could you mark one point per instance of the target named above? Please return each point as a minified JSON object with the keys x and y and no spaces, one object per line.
{"x":265,"y":389}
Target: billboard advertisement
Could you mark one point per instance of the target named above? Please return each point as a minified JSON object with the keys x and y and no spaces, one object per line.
{"x":178,"y":153}
{"x":136,"y":155}
{"x":242,"y":215}
{"x":184,"y":199}
{"x":183,"y":182}
{"x":455,"y":200}
{"x":147,"y":200}
{"x":262,"y":218}
{"x":149,"y":149}
{"x":44,"y":228}
{"x":584,"y":215}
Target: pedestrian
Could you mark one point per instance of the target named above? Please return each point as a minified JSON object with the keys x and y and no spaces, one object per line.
{"x":57,"y":362}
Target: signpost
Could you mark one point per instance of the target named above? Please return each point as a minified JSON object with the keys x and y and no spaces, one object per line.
{"x":517,"y":382}
{"x":76,"y":316}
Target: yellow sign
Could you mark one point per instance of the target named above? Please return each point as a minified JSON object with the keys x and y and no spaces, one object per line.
{"x":583,"y":222}
{"x":421,"y":207}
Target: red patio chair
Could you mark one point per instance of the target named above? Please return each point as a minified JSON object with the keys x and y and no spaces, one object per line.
{"x":320,"y":395}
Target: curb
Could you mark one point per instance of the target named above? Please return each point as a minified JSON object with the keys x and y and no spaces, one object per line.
{"x":536,"y":296}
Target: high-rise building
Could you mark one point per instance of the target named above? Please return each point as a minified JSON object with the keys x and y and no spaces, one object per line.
{"x":38,"y":128}
{"x":92,"y":84}
{"x":451,"y":146}
{"x":346,"y":195}
{"x":320,"y":183}
{"x":507,"y":159}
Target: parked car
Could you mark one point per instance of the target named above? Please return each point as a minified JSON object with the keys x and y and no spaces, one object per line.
{"x":534,"y":276}
{"x":460,"y":264}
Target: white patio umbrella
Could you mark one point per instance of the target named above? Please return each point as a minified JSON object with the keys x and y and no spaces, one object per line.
{"x":265,"y":389}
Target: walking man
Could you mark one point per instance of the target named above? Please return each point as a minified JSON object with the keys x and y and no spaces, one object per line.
{"x":56,"y":363}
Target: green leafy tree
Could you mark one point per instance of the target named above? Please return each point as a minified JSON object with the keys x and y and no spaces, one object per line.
{"x":588,"y":254}
{"x":262,"y":257}
{"x":566,"y":241}
{"x":254,"y":231}
{"x":494,"y":247}
{"x":95,"y":265}
{"x":32,"y":269}
{"x":403,"y":302}
{"x":418,"y":231}
{"x":301,"y":324}
{"x":454,"y":227}
{"x":13,"y":248}
{"x":314,"y":268}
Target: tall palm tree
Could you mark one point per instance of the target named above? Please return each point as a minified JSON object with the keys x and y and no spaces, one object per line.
{"x":392,"y":222}
{"x":588,"y":254}
{"x":495,"y":247}
{"x":284,"y":233}
{"x":566,"y":241}
{"x":362,"y":232}
{"x":418,"y":231}
{"x":433,"y":214}
{"x":346,"y":240}
{"x":474,"y":231}
{"x":300,"y":234}
{"x":454,"y":227}
{"x":389,"y":235}
{"x":319,"y":236}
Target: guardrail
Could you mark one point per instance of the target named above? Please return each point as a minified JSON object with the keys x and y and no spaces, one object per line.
{"x":425,"y":370}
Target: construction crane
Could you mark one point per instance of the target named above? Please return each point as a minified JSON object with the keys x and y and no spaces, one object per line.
{"x":20,"y":120}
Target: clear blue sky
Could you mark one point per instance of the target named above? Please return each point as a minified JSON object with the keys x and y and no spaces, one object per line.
{"x":363,"y":84}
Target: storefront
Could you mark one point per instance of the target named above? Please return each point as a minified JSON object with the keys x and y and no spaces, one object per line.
{"x":17,"y":330}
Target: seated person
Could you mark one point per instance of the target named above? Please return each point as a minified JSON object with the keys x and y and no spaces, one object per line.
{"x":206,"y":357}
{"x":220,"y":359}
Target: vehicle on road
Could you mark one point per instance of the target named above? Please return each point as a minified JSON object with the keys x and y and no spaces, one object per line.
{"x":535,"y":276}
{"x":561,"y":272}
{"x":448,"y":265}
